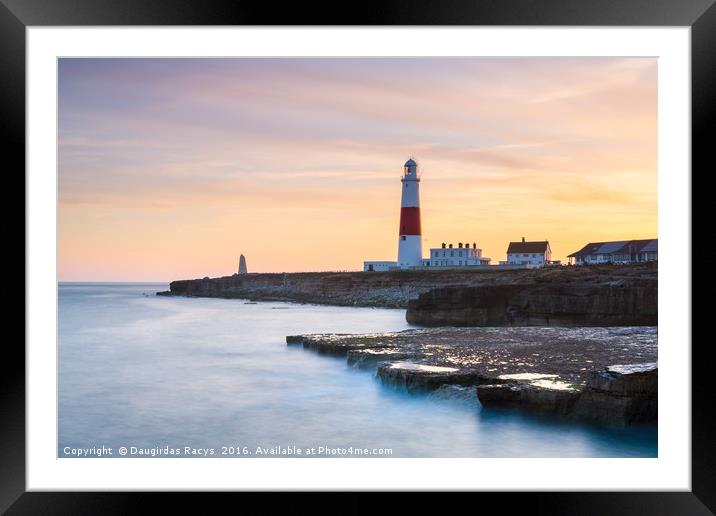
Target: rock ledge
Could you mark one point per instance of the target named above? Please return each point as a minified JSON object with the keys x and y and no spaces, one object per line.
{"x":600,"y":375}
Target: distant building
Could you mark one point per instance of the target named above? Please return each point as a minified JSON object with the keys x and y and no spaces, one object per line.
{"x":528,"y":253}
{"x":460,"y":256}
{"x":379,"y":266}
{"x":622,"y":251}
{"x":242,"y":265}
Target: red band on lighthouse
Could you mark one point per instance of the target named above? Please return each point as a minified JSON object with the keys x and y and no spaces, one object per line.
{"x":410,"y":221}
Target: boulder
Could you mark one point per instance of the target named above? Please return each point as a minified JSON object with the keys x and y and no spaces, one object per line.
{"x":620,"y":395}
{"x":528,"y":397}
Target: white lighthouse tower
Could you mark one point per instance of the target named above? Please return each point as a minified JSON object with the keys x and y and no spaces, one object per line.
{"x":410,"y":249}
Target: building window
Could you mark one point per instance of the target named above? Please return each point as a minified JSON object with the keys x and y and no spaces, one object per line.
{"x":402,"y":237}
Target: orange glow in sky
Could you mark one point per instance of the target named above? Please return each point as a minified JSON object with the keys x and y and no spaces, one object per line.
{"x":171,"y":168}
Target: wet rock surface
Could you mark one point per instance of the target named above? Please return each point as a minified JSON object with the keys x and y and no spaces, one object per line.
{"x":570,"y":372}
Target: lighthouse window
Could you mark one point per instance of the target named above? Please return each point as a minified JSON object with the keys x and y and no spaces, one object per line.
{"x":402,"y":237}
{"x":406,"y":185}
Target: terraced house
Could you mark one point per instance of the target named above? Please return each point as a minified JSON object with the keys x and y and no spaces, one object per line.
{"x":622,"y":251}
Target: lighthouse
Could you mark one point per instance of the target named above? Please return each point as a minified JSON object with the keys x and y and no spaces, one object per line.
{"x":410,"y":250}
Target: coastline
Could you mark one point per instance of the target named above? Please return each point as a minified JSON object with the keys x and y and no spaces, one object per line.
{"x":603,"y":295}
{"x":489,"y":331}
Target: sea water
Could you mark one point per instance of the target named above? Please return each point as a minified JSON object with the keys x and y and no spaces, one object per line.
{"x":178,"y":376}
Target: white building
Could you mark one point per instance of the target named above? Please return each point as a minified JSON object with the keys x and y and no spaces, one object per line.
{"x":528,"y":253}
{"x":461,"y":256}
{"x":621,"y":251}
{"x":379,"y":266}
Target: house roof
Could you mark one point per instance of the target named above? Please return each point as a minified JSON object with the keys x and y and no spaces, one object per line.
{"x":618,"y":247}
{"x":651,"y":247}
{"x":528,"y":247}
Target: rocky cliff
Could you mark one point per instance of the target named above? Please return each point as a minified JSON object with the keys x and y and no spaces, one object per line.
{"x":618,"y":304}
{"x":389,"y":289}
{"x":396,"y":289}
{"x":606,"y":295}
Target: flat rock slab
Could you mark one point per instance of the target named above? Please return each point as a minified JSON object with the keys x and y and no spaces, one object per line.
{"x":423,"y":376}
{"x":579,"y":372}
{"x":529,"y":396}
{"x":569,"y":353}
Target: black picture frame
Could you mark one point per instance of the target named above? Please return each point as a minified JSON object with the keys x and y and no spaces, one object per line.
{"x":16,"y":15}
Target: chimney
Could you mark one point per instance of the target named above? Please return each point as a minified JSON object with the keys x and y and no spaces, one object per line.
{"x":523,"y":239}
{"x":443,"y":245}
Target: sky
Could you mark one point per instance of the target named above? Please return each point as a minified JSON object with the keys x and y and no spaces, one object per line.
{"x":171,"y":168}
